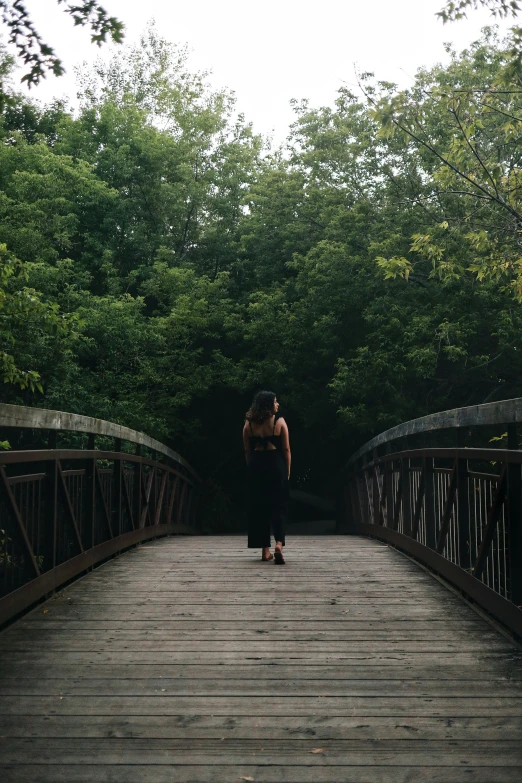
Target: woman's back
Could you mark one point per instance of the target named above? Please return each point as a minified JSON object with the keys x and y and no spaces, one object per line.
{"x":267,"y":435}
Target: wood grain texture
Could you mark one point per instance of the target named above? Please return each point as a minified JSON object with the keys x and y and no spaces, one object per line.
{"x":188,"y":660}
{"x":276,"y":773}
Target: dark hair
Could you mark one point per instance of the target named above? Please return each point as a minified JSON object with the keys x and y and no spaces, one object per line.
{"x":262,"y":407}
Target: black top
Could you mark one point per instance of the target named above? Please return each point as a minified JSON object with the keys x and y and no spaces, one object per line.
{"x":260,"y":440}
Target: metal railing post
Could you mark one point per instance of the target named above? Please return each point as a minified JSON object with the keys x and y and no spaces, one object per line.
{"x":118,"y":489}
{"x":514,"y":513}
{"x":376,"y":501}
{"x":463,"y":513}
{"x":137,"y":488}
{"x":51,"y":516}
{"x":429,"y":500}
{"x":406,"y":476}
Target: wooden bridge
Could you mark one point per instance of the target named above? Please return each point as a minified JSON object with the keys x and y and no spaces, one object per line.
{"x":187,"y":659}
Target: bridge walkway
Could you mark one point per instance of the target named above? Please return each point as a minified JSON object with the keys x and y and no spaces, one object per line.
{"x":188,"y":660}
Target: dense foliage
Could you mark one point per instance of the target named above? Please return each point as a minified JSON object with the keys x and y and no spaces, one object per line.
{"x":158,"y":264}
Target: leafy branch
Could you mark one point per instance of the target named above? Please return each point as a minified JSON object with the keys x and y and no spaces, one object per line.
{"x":35,"y":53}
{"x":386,"y":114}
{"x":454,"y":10}
{"x":457,"y":9}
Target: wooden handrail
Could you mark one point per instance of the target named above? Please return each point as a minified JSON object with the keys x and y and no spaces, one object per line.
{"x":503,"y":412}
{"x":43,"y":419}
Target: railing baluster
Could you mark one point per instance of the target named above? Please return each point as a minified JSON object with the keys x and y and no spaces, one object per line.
{"x":397,"y":503}
{"x":363,"y":505}
{"x":406,"y":478}
{"x":118,"y":490}
{"x":448,"y":509}
{"x":463,"y":513}
{"x":128,"y":502}
{"x":419,"y":503}
{"x":429,"y":500}
{"x":137,"y":487}
{"x":52,"y":514}
{"x":514,"y":521}
{"x":491,"y":525}
{"x":157,"y":516}
{"x":173,"y":493}
{"x":181,"y":503}
{"x":145,"y":511}
{"x":376,"y":504}
{"x":90,"y":502}
{"x":388,"y":489}
{"x":63,"y":486}
{"x":19,"y":531}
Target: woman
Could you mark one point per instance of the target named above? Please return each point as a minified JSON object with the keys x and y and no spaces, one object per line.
{"x":267,"y":452}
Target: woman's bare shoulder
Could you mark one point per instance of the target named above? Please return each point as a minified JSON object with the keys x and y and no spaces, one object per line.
{"x":281,"y":424}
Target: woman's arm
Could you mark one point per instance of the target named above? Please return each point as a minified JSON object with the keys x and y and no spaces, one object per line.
{"x":246,"y":440}
{"x":285,"y":445}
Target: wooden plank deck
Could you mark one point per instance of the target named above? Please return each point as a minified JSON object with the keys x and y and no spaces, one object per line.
{"x":189,"y":661}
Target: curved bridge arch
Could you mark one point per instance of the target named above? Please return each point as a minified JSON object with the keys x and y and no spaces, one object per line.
{"x":456,"y":509}
{"x":65,"y":510}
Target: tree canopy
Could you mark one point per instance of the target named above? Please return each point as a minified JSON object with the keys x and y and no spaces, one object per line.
{"x":159,"y":264}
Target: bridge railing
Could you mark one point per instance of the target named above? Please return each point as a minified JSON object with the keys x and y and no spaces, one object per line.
{"x":64,"y":510}
{"x":455,"y":508}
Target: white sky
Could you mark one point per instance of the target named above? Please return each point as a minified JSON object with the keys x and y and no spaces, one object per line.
{"x":271,"y":52}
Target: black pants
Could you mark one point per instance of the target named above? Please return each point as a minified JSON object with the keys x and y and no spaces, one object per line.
{"x":267,"y":497}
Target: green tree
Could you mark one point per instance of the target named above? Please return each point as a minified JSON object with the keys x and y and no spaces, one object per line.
{"x":459,"y":127}
{"x":170,"y":266}
{"x":24,"y":315}
{"x":35,"y":53}
{"x":168,"y":144}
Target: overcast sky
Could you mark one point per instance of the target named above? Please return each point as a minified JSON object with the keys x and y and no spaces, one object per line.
{"x":273,"y":51}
